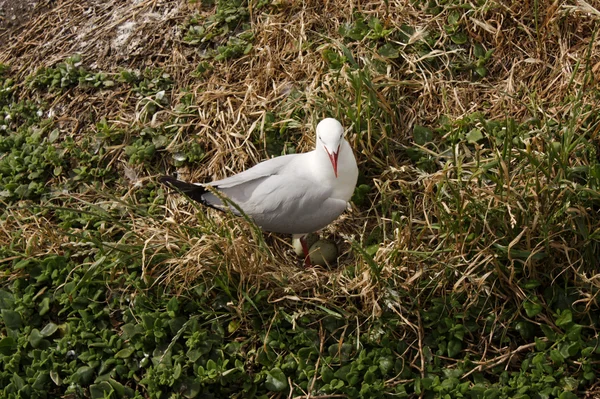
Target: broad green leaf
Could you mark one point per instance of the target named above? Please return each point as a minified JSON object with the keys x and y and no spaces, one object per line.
{"x":474,"y":136}
{"x":276,"y":380}
{"x":124,"y":353}
{"x":173,"y":305}
{"x":101,"y":390}
{"x":41,"y":380}
{"x":177,"y":371}
{"x":44,"y":306}
{"x":453,"y":17}
{"x":481,"y":71}
{"x":386,"y":364}
{"x":49,"y":329}
{"x":574,"y":332}
{"x":327,"y":374}
{"x":459,"y":38}
{"x":556,"y":356}
{"x":8,"y":346}
{"x":12,"y":319}
{"x":54,"y":135}
{"x":211,"y":365}
{"x":540,"y":345}
{"x":233,"y":326}
{"x":84,"y":375}
{"x":478,"y":50}
{"x":422,"y":135}
{"x":117,"y":386}
{"x":525,"y":329}
{"x":569,"y":349}
{"x":388,"y":50}
{"x":130,"y":330}
{"x":454,"y":347}
{"x":192,"y":389}
{"x":36,"y":339}
{"x":55,"y":377}
{"x":7,"y":300}
{"x":567,"y":395}
{"x":23,"y":263}
{"x":193,"y":355}
{"x":564,"y":318}
{"x":532,"y":308}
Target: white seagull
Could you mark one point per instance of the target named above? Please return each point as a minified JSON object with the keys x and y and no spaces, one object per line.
{"x":293,"y":194}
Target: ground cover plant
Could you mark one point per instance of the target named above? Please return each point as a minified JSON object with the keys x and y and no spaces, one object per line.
{"x":469,"y":259}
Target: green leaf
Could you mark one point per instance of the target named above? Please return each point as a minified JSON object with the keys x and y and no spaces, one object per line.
{"x":55,"y":377}
{"x":130,"y":330}
{"x":453,"y":17}
{"x":474,"y":136}
{"x":481,"y":71}
{"x":211,"y":365}
{"x":12,"y":319}
{"x":22,"y":264}
{"x":7,"y":300}
{"x":193,"y":355}
{"x":556,"y":356}
{"x":574,"y":332}
{"x":327,"y":374}
{"x":54,"y":135}
{"x":422,"y":135}
{"x":44,"y":306}
{"x":388,"y":50}
{"x":49,"y":329}
{"x":83,"y":375}
{"x":36,"y":339}
{"x":233,"y":326}
{"x":532,"y":308}
{"x":459,"y":38}
{"x":525,"y":329}
{"x":8,"y":346}
{"x":117,"y":386}
{"x":567,"y":395}
{"x":276,"y":380}
{"x":454,"y":347}
{"x":571,"y":349}
{"x":70,"y":287}
{"x":564,"y":318}
{"x":193,"y":388}
{"x":124,"y":353}
{"x":101,"y":390}
{"x":478,"y":50}
{"x":386,"y":364}
{"x":177,"y":371}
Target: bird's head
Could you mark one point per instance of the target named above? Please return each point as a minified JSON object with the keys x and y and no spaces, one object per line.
{"x":330,"y":135}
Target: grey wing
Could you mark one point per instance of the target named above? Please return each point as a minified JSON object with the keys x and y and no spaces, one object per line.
{"x":239,"y":188}
{"x":286,"y":203}
{"x":258,"y":171}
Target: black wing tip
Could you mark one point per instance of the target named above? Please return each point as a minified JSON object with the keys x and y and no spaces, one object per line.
{"x":169,"y":181}
{"x":194,"y":191}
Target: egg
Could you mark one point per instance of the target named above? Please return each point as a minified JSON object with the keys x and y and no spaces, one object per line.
{"x":323,"y":252}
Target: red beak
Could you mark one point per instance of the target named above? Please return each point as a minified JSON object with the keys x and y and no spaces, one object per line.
{"x":334,"y":159}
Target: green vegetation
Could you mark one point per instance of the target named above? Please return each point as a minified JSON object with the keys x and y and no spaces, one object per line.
{"x":469,"y":263}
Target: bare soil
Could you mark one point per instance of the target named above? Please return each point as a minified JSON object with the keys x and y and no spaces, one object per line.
{"x":13,"y":13}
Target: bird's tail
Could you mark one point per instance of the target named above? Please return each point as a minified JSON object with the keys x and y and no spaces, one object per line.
{"x":193,"y":191}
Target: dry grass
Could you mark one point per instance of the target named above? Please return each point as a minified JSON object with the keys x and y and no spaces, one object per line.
{"x":532,"y":74}
{"x":476,"y":219}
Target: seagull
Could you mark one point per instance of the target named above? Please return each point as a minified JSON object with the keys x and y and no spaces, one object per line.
{"x":293,"y":194}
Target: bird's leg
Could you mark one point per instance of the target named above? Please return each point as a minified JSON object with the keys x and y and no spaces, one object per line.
{"x":305,"y":250}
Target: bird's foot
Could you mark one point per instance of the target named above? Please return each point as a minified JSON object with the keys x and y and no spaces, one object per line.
{"x":305,"y":250}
